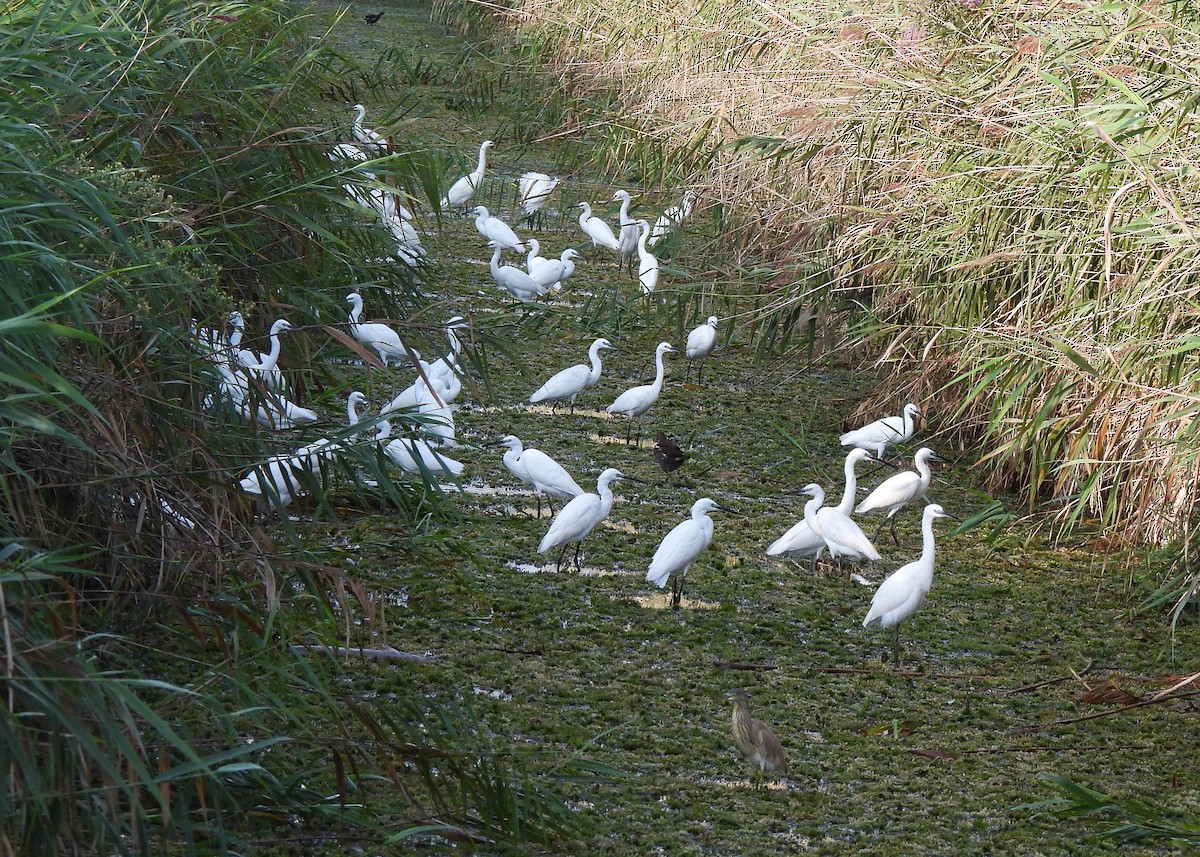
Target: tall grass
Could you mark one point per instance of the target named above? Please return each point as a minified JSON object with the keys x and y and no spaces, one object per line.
{"x":161,"y":165}
{"x":992,"y":198}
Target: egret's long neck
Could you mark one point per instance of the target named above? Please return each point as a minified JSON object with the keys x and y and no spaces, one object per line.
{"x":360,"y":113}
{"x":927,"y":546}
{"x":925,"y":473}
{"x":908,"y":424}
{"x":605,"y":491}
{"x":355,"y":311}
{"x":352,"y":412}
{"x":849,"y":495}
{"x":512,"y":456}
{"x":624,"y":210}
{"x":810,"y":513}
{"x":585,"y":214}
{"x":660,"y":371}
{"x":534,"y":249}
{"x":643,"y":234}
{"x":482,"y":165}
{"x":272,"y":358}
{"x":496,"y":258}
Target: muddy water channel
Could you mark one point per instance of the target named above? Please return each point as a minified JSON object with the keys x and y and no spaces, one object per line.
{"x":1000,"y":666}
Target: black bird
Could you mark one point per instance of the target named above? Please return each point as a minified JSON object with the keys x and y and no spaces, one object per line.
{"x":373,"y":17}
{"x":668,"y":454}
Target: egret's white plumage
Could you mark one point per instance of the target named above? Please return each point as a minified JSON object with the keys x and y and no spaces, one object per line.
{"x":462,"y":190}
{"x":879,"y":435}
{"x":576,"y":519}
{"x":545,"y":272}
{"x":700,"y":343}
{"x":369,"y":138}
{"x":265,"y":367}
{"x":647,"y":261}
{"x":533,"y":189}
{"x":570,"y":382}
{"x":541,"y":471}
{"x":904,"y":591}
{"x":672,"y":218}
{"x":895,"y":492}
{"x":416,"y":456}
{"x":636,"y":401}
{"x":680,"y":548}
{"x":494,"y":229}
{"x":445,"y":370}
{"x":376,"y":337}
{"x":627,"y":237}
{"x":516,"y":282}
{"x":842,"y":536}
{"x":596,"y":229}
{"x":801,"y":540}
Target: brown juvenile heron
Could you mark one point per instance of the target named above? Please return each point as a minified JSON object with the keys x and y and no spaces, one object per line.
{"x":668,"y":454}
{"x":755,"y":738}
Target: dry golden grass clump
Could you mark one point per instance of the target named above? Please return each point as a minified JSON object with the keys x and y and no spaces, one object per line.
{"x":1007,"y":187}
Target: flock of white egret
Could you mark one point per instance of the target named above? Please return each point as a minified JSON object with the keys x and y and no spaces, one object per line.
{"x":251,"y":387}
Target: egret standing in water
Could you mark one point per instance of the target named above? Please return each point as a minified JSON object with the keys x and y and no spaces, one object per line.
{"x":637,"y":400}
{"x":596,"y":229}
{"x":700,"y":343}
{"x":539,"y":470}
{"x":896,"y":492}
{"x":647,"y":261}
{"x":801,"y":540}
{"x":462,"y":190}
{"x":570,"y":382}
{"x":904,"y":591}
{"x":533,"y":189}
{"x":879,"y":435}
{"x":627,"y":237}
{"x":580,"y":516}
{"x":681,"y":547}
{"x":842,"y":536}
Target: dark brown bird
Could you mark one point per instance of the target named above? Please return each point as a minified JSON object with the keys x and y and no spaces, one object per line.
{"x":373,"y":17}
{"x":668,"y":454}
{"x":755,"y":738}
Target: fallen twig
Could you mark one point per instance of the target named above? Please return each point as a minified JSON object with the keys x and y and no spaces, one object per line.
{"x":1034,"y":727}
{"x":1049,"y":681}
{"x":734,"y":665}
{"x":899,"y":673}
{"x":388,"y":654}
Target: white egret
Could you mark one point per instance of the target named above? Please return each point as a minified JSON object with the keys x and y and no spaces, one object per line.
{"x":842,"y":536}
{"x":416,"y":456}
{"x":462,"y":190}
{"x":895,"y":492}
{"x":580,"y":516}
{"x":637,"y":400}
{"x":494,"y":229}
{"x":801,"y":540}
{"x":672,"y":218}
{"x":265,"y":368}
{"x":545,"y":272}
{"x":540,"y":470}
{"x":425,"y":388}
{"x":445,"y":370}
{"x":369,"y":138}
{"x":898,"y":597}
{"x":237,"y":327}
{"x":647,"y":262}
{"x":568,"y":258}
{"x":627,"y":238}
{"x":533,"y":189}
{"x":570,"y":382}
{"x":348,"y":151}
{"x":700,"y":343}
{"x":277,"y":480}
{"x":681,"y":547}
{"x":516,"y":282}
{"x":376,"y":337}
{"x":596,"y":229}
{"x":877,"y":436}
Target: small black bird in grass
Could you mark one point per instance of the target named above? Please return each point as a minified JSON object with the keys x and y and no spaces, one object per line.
{"x":668,"y":454}
{"x":372,"y":17}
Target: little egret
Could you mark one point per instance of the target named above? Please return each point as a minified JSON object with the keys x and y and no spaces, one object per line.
{"x":425,"y":389}
{"x":668,"y":454}
{"x":416,"y":456}
{"x":376,"y":337}
{"x":647,"y":262}
{"x":879,"y":435}
{"x":369,"y":138}
{"x":540,"y":470}
{"x":445,"y":370}
{"x":570,"y":382}
{"x":755,"y":738}
{"x":636,"y":401}
{"x":627,"y":238}
{"x":596,"y":229}
{"x":680,"y":548}
{"x":576,"y":519}
{"x":545,"y":272}
{"x":700,"y":343}
{"x":512,"y":279}
{"x":237,"y":327}
{"x":842,"y":536}
{"x":801,"y":540}
{"x":266,"y":368}
{"x":533,"y":189}
{"x":494,"y":229}
{"x":462,"y":190}
{"x":898,"y":597}
{"x":672,"y":218}
{"x":895,"y":492}
{"x":568,"y":258}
